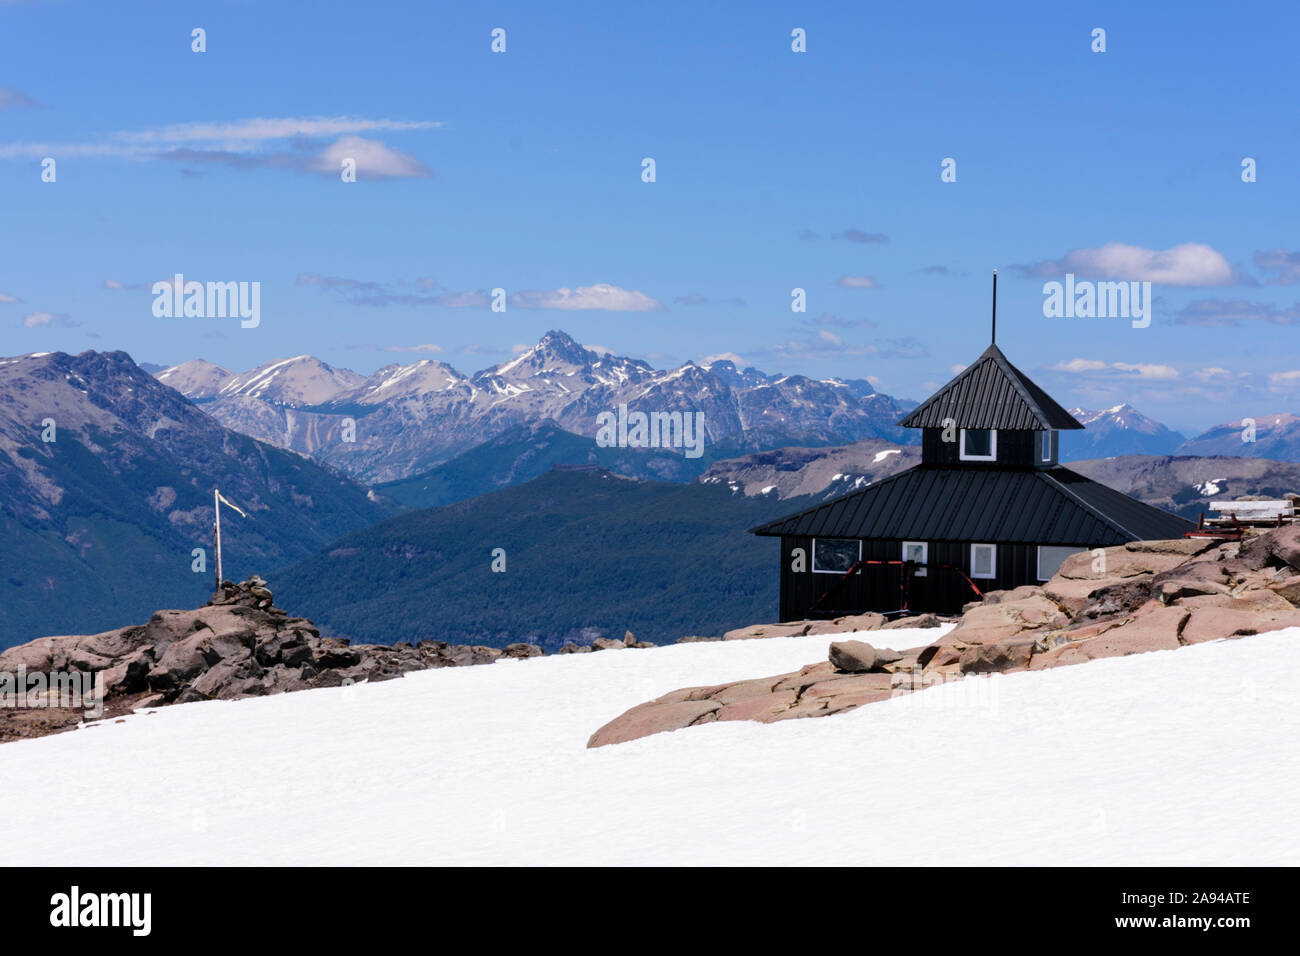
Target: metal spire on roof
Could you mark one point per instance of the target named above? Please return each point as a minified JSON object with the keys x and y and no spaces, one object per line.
{"x":994,"y":340}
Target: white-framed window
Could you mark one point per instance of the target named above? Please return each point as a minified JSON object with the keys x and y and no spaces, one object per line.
{"x":835,"y":555}
{"x":917,"y":552}
{"x":1045,"y":445}
{"x":983,"y":560}
{"x":1052,"y":556}
{"x":979,"y":444}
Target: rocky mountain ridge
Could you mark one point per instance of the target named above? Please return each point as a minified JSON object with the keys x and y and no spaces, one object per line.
{"x":411,"y":418}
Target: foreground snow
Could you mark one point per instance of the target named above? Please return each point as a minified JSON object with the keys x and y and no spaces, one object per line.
{"x":1173,"y":757}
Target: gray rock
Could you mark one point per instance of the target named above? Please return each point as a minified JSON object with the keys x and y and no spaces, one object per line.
{"x":859,"y":657}
{"x":920,"y":620}
{"x":522,"y":650}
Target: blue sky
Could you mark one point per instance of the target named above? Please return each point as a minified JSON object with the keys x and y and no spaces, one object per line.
{"x":775,"y":170}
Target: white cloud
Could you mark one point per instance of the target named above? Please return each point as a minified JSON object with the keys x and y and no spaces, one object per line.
{"x":858,"y":282}
{"x":1138,"y":369}
{"x":601,"y":296}
{"x":427,"y":347}
{"x":373,"y":159}
{"x":34,"y":320}
{"x":1146,"y":371}
{"x":1188,"y":264}
{"x":7,"y":299}
{"x":243,"y":144}
{"x":731,"y":357}
{"x":242,"y":134}
{"x":828,"y":336}
{"x":958,"y":369}
{"x":1285,"y":381}
{"x":1079,"y":365}
{"x":1212,"y":373}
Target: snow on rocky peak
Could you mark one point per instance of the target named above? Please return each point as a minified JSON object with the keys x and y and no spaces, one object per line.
{"x":197,"y":378}
{"x":393,"y":382}
{"x":301,"y":380}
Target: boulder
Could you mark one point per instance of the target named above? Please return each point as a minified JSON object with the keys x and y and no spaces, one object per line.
{"x":1116,"y":598}
{"x":1011,"y":653}
{"x":607,"y":644}
{"x":994,"y":623}
{"x":857,"y":657}
{"x":229,"y":679}
{"x":1157,"y":628}
{"x":743,"y":690}
{"x":183,"y":661}
{"x":130,"y":676}
{"x":1187,"y":547}
{"x":1024,"y":592}
{"x":868,"y":621}
{"x":522,"y":650}
{"x":919,"y":620}
{"x":1171,"y":591}
{"x":756,"y":631}
{"x":1213,"y":623}
{"x":1279,"y":546}
{"x":879,"y":685}
{"x":1288,"y":589}
{"x":764,"y":708}
{"x":652,"y":718}
{"x":336,"y":653}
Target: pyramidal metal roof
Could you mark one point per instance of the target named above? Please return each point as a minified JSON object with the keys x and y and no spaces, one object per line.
{"x":991,"y":393}
{"x":1014,"y":505}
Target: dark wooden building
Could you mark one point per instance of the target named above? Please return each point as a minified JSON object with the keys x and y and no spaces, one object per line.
{"x":988,"y":508}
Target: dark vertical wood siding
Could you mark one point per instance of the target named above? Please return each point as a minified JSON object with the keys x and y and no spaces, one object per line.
{"x":1015,"y":448}
{"x":877,"y":588}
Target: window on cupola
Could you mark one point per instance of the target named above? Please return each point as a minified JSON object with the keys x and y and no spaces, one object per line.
{"x":979,"y":444}
{"x":1045,"y":445}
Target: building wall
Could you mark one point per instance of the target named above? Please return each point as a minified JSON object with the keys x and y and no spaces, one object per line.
{"x":1015,"y":447}
{"x":878,"y":587}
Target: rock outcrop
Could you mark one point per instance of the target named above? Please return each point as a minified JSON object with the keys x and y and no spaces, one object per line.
{"x":239,"y":644}
{"x":849,"y":623}
{"x":1128,"y":599}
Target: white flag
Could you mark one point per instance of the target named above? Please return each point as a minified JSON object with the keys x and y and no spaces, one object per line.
{"x":230,"y":505}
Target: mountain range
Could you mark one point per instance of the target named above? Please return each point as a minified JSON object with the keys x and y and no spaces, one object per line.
{"x":406,"y":425}
{"x":1275,"y":436}
{"x":408,"y":419}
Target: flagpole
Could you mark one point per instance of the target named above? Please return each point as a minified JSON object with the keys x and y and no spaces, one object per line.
{"x":216,"y":535}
